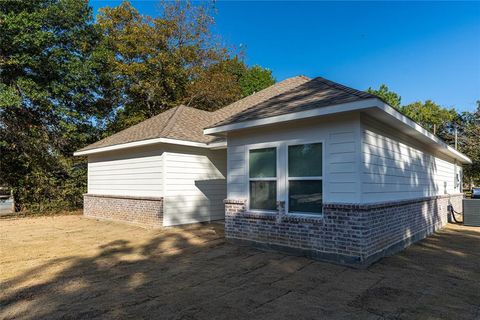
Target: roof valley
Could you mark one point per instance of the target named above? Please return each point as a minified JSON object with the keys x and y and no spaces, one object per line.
{"x":187,"y":123}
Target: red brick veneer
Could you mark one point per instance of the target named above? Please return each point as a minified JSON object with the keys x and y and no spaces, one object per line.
{"x":354,"y":234}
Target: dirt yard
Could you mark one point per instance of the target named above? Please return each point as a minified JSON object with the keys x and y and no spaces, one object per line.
{"x":73,"y":268}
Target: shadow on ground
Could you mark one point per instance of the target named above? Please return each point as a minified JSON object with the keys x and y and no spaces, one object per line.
{"x":193,"y":274}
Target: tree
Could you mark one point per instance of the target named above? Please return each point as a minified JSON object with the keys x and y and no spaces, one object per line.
{"x":158,"y":63}
{"x":431,"y":116}
{"x":255,"y":79}
{"x":469,"y":143}
{"x":226,"y":82}
{"x":444,"y":122}
{"x":217,"y":85}
{"x":66,"y":80}
{"x":388,"y":96}
{"x":48,"y":95}
{"x":153,"y":60}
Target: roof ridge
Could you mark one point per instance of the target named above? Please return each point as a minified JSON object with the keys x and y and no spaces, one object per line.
{"x":171,"y":121}
{"x":141,"y":122}
{"x":278,"y":84}
{"x":344,"y":88}
{"x":196,"y":109}
{"x":302,"y":94}
{"x":272,"y":97}
{"x":251,"y":96}
{"x":188,"y":122}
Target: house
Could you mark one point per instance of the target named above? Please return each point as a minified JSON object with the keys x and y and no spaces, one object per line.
{"x":307,"y":166}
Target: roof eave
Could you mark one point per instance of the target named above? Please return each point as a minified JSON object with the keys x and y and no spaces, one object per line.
{"x":332,"y":109}
{"x":412,"y":124}
{"x":339,"y":108}
{"x":215,"y":145}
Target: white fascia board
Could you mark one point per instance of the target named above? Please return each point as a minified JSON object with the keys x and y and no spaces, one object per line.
{"x":399,"y":116}
{"x":337,"y":108}
{"x":217,"y":145}
{"x":344,"y":107}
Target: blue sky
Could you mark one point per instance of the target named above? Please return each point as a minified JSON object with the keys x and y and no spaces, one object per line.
{"x":421,"y":50}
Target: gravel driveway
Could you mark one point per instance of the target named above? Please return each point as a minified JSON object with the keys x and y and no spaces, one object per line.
{"x":74,"y":268}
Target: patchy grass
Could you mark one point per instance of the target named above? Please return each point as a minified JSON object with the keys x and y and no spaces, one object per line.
{"x":72,"y":267}
{"x":45,"y":213}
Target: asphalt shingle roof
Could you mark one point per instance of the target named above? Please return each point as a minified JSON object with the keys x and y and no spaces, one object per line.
{"x":312,"y":94}
{"x":187,"y":123}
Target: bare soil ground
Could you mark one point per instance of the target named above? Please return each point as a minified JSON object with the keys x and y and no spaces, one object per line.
{"x":73,"y":268}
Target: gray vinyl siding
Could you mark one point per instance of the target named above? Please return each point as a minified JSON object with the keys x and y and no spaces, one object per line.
{"x":396,"y":167}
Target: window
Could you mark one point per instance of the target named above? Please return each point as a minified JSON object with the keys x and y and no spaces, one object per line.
{"x":263,"y":179}
{"x":305,"y":183}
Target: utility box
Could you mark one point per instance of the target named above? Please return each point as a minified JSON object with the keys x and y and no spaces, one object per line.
{"x":471,"y":212}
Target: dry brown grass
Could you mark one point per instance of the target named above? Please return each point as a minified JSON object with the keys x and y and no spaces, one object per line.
{"x":72,"y":267}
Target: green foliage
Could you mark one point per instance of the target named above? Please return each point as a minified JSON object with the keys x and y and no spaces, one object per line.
{"x":469,"y":143}
{"x":60,"y":188}
{"x":66,"y":80}
{"x":157,"y":63}
{"x":151,"y":61}
{"x":386,"y":95}
{"x":48,"y":96}
{"x":225,"y":82}
{"x":444,"y":122}
{"x":430,"y":115}
{"x":255,"y":79}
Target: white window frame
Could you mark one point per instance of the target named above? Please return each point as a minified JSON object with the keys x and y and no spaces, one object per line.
{"x":288,"y":178}
{"x":282,"y":176}
{"x":277,"y":173}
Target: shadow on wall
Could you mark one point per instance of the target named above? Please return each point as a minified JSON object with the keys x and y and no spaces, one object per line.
{"x":215,"y":191}
{"x":219,"y":160}
{"x":201,"y":197}
{"x":394,"y":170}
{"x":206,"y":205}
{"x":187,"y":273}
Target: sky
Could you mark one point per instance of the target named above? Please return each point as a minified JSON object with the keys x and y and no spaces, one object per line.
{"x":421,"y":50}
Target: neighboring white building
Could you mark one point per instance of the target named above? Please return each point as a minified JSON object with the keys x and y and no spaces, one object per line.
{"x":306,"y":156}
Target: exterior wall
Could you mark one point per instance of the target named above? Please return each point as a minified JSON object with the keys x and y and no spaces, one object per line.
{"x":396,"y":167}
{"x":194,"y":184}
{"x":129,"y":172}
{"x":340,"y":136}
{"x":405,"y":221}
{"x":142,"y":211}
{"x":346,"y":233}
{"x":382,"y":190}
{"x":189,"y":181}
